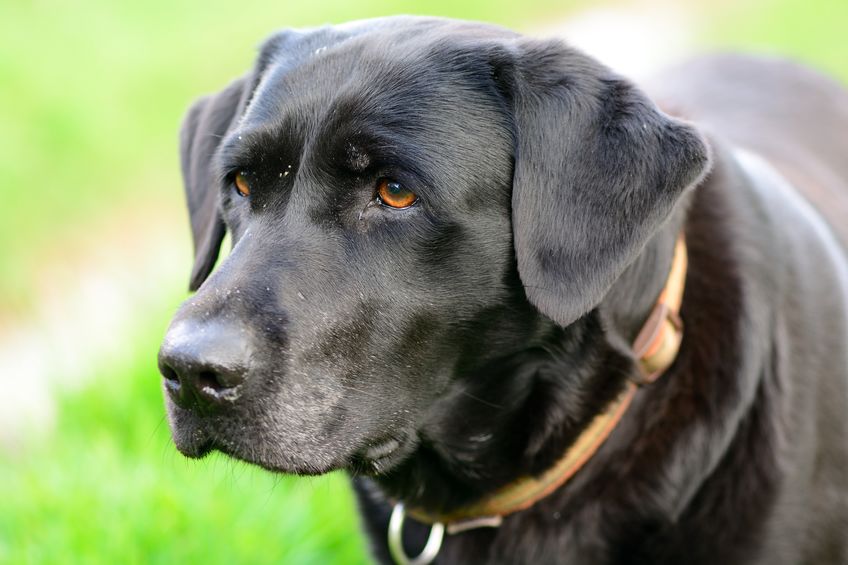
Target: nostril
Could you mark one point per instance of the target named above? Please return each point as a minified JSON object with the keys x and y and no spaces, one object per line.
{"x":172,"y":380}
{"x":209,"y":380}
{"x":217,"y":385}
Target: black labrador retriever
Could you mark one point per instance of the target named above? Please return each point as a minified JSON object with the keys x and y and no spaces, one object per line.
{"x":446,"y":239}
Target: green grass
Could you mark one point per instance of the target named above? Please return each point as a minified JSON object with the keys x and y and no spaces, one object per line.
{"x":110,"y":488}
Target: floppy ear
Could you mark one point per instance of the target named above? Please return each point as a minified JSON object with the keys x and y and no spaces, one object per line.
{"x":203,"y":128}
{"x":598,"y":169}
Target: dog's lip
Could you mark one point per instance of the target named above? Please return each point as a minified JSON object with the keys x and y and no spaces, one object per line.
{"x":195,"y":447}
{"x":383,"y":454}
{"x":382,"y":449}
{"x":201,"y":448}
{"x":195,"y":436}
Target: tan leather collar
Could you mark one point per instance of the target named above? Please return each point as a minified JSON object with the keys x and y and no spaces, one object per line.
{"x":656,"y":347}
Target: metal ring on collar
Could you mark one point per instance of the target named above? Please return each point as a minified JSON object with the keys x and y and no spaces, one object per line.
{"x":431,"y":548}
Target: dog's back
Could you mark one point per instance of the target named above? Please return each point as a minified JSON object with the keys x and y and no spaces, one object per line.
{"x":794,"y":117}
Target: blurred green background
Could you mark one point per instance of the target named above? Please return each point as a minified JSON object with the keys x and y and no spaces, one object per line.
{"x":95,"y":256}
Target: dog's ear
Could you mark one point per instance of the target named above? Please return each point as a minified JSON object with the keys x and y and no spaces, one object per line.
{"x":204,"y":126}
{"x":598,"y":169}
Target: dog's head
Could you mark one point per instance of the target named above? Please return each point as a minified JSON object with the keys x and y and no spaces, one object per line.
{"x":412,"y":203}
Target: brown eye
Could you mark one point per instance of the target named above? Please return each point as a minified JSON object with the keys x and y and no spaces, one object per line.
{"x":241,"y":185}
{"x":394,"y":194}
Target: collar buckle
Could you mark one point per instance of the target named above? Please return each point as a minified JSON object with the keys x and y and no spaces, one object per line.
{"x":395,"y":539}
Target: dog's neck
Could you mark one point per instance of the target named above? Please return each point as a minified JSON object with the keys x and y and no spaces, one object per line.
{"x":520,"y":416}
{"x":633,"y":295}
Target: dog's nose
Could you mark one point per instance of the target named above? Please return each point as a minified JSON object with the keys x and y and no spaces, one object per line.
{"x":203,"y":364}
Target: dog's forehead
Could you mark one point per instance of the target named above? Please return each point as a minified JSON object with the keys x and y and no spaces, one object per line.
{"x":383,"y":36}
{"x":394,"y":57}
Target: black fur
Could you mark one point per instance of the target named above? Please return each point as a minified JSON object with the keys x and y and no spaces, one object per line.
{"x":441,"y":351}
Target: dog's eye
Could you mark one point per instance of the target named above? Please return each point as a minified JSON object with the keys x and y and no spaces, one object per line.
{"x":241,"y":184}
{"x":394,"y":195}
